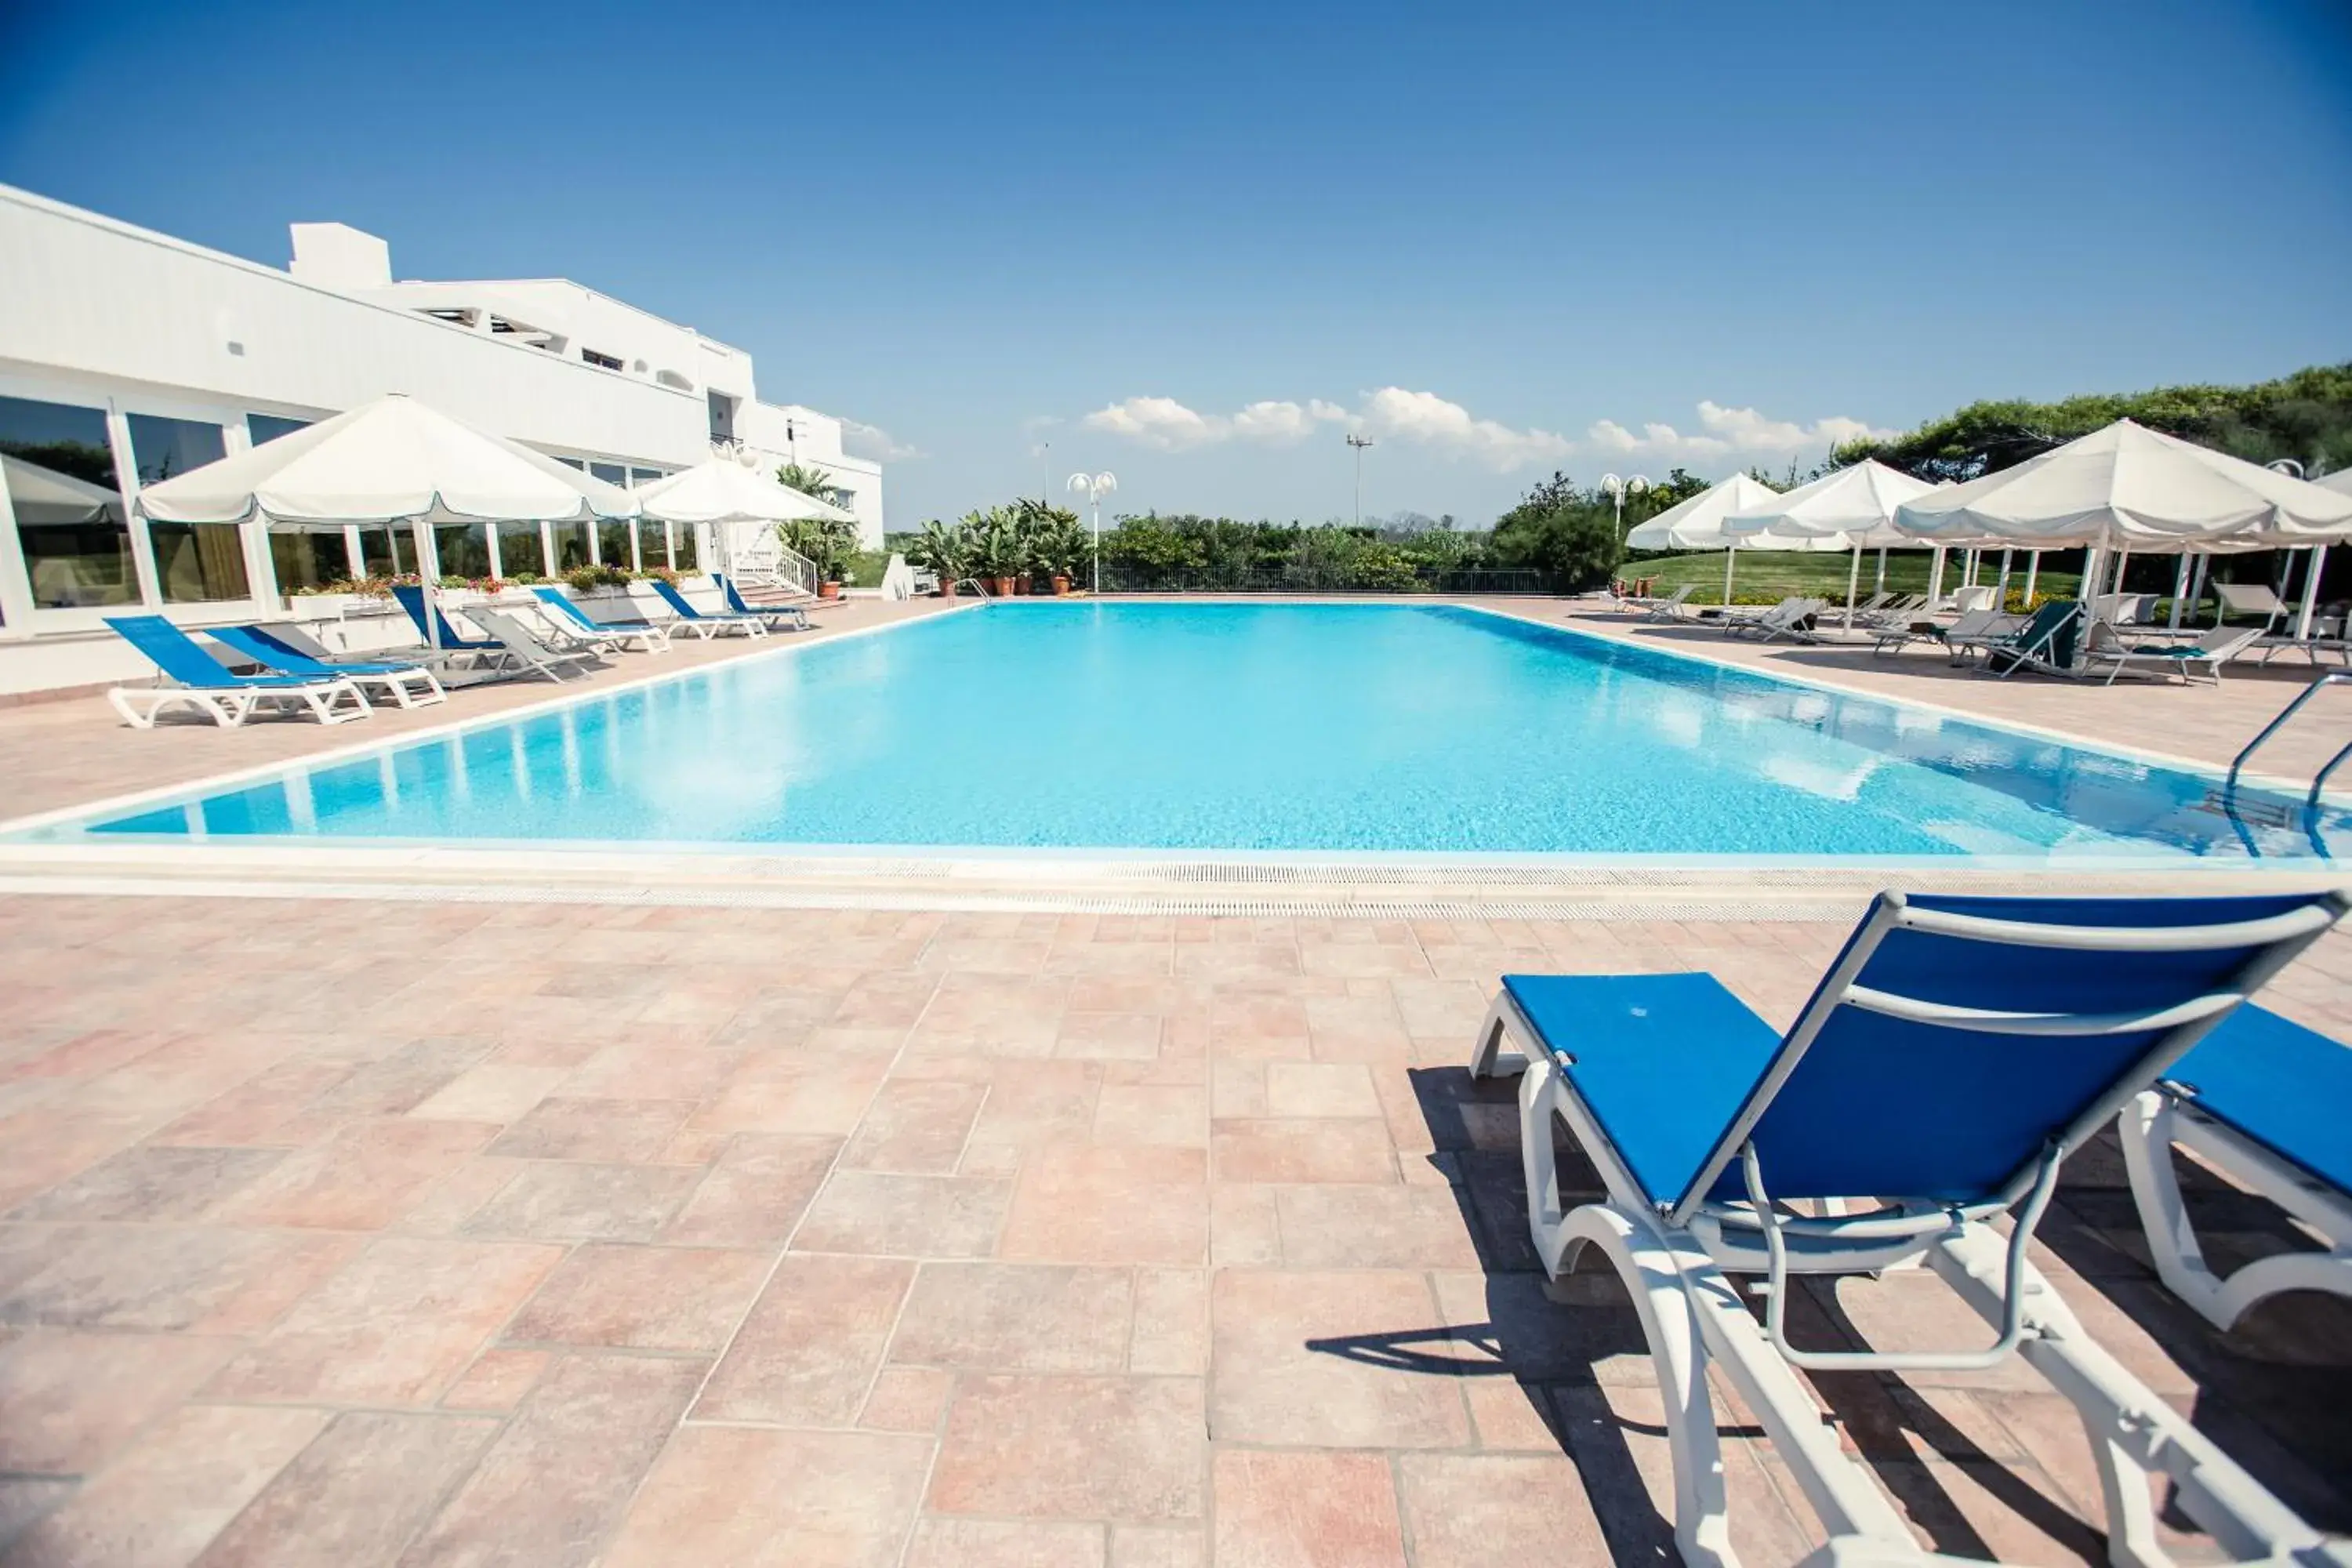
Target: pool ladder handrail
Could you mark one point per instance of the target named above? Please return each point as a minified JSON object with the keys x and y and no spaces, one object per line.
{"x":976,"y":585}
{"x":2325,"y":679}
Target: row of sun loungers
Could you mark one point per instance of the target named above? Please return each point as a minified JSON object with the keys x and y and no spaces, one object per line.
{"x":298,"y":672}
{"x":1956,"y":1053}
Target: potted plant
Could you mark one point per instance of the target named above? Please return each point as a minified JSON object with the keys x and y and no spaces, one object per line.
{"x":945,"y":549}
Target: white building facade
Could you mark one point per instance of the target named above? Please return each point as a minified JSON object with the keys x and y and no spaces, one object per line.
{"x":127,"y":356}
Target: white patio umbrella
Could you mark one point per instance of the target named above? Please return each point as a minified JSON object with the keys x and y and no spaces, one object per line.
{"x":391,"y":461}
{"x":1852,"y":507}
{"x":2126,"y":488}
{"x":724,"y":492}
{"x":2339,"y":482}
{"x":1697,"y":523}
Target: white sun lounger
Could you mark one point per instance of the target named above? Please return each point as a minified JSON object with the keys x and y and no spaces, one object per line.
{"x":2269,"y":1104}
{"x":1669,"y":608}
{"x":2210,"y":652}
{"x":1955,"y":1053}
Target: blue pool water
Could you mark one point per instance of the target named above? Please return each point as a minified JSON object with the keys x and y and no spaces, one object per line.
{"x":1257,"y":727}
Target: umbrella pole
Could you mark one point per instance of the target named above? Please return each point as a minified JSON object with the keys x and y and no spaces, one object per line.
{"x":2197,"y":586}
{"x":2179,"y":591}
{"x":2310,"y":593}
{"x":2000,"y":595}
{"x":2032,"y":570}
{"x":1882,"y":570}
{"x":1935,"y":581}
{"x":1853,"y":585}
{"x":428,"y":580}
{"x":1729,"y":552}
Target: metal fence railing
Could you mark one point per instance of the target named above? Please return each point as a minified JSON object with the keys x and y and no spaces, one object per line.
{"x":1130,"y":579}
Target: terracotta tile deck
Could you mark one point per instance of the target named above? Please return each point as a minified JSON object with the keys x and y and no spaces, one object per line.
{"x":897,"y":1248}
{"x":582,"y":1234}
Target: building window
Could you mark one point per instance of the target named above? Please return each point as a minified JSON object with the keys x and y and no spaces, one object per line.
{"x":388,"y":551}
{"x":309,"y":560}
{"x":603,"y":361}
{"x":59,"y":468}
{"x":611,"y":473}
{"x":653,"y":544}
{"x":267,"y":427}
{"x":521,"y":555}
{"x":464,"y":549}
{"x":573,"y":549}
{"x":640,"y":477}
{"x":846,"y":499}
{"x":196,"y":563}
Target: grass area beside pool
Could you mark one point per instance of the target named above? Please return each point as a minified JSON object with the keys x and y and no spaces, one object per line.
{"x":1767,"y":576}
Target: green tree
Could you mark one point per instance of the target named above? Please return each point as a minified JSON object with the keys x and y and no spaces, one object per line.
{"x":808,"y":481}
{"x":1565,"y":531}
{"x":2306,"y":417}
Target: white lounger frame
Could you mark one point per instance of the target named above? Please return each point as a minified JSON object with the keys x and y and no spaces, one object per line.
{"x":399,"y":684}
{"x":230,"y":706}
{"x":1676,"y":1274}
{"x":2156,"y":1120}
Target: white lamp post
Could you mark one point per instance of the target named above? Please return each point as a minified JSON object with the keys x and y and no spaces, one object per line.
{"x":1617,"y":490}
{"x":1359,"y":443}
{"x":1096,"y":487}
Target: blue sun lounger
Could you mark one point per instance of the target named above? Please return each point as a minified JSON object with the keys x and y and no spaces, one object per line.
{"x":1954,"y":1052}
{"x":573,"y":619}
{"x":211,"y":687}
{"x":707,"y":624}
{"x":778,"y":618}
{"x":410,"y":684}
{"x":2269,"y":1103}
{"x":412,"y":599}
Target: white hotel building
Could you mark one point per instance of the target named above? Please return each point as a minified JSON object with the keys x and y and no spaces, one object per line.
{"x":127,"y":356}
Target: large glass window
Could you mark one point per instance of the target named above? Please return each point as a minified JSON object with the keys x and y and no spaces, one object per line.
{"x":640,"y":477}
{"x":520,"y":552}
{"x":388,"y":551}
{"x":264,"y":427}
{"x":59,"y":465}
{"x":195,"y":562}
{"x":685,"y":552}
{"x":612,"y":535}
{"x":653,"y":544}
{"x":611,"y":473}
{"x":464,"y":549}
{"x":308,"y":559}
{"x":571,"y":546}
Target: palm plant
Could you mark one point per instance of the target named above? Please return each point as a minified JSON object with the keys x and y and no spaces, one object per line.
{"x":946,"y":548}
{"x":808,"y":481}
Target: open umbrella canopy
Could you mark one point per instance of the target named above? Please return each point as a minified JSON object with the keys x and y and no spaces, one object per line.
{"x":44,"y":497}
{"x":724,"y":491}
{"x":1697,"y":523}
{"x":392,"y":460}
{"x":1852,"y":508}
{"x":2130,"y":488}
{"x":2340,"y":483}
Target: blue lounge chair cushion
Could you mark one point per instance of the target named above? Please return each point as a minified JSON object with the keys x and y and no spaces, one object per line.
{"x":185,"y":660}
{"x":684,"y":606}
{"x":412,"y":599}
{"x":1662,"y":1061}
{"x":2287,"y":1087}
{"x":262,"y":649}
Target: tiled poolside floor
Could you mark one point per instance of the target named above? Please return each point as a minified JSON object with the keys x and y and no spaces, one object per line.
{"x":346,"y":1233}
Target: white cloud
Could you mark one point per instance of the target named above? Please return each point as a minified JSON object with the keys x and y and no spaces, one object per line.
{"x":1426,"y":420}
{"x":1168,"y":425}
{"x":1722,"y":431}
{"x":1393,"y":414}
{"x":873,"y":442}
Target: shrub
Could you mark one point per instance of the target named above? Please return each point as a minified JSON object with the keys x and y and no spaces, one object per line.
{"x":1557,"y":528}
{"x":588,"y":579}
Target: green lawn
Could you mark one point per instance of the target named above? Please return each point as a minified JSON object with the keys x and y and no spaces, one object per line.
{"x":1767,"y":576}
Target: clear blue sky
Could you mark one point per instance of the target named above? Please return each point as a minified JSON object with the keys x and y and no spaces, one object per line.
{"x":1196,"y":244}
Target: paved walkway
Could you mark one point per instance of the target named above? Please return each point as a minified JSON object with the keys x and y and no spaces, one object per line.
{"x":438,"y":1234}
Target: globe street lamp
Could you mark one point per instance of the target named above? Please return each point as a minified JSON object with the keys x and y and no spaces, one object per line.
{"x":1617,"y":490}
{"x":1097,"y":485}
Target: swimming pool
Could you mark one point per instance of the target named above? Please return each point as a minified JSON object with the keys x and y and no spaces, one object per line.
{"x":1253,"y":727}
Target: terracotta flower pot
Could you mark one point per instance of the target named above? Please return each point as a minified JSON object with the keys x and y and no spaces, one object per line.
{"x":947,"y":590}
{"x":828,"y":590}
{"x":1002,"y":587}
{"x":1061,"y":586}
